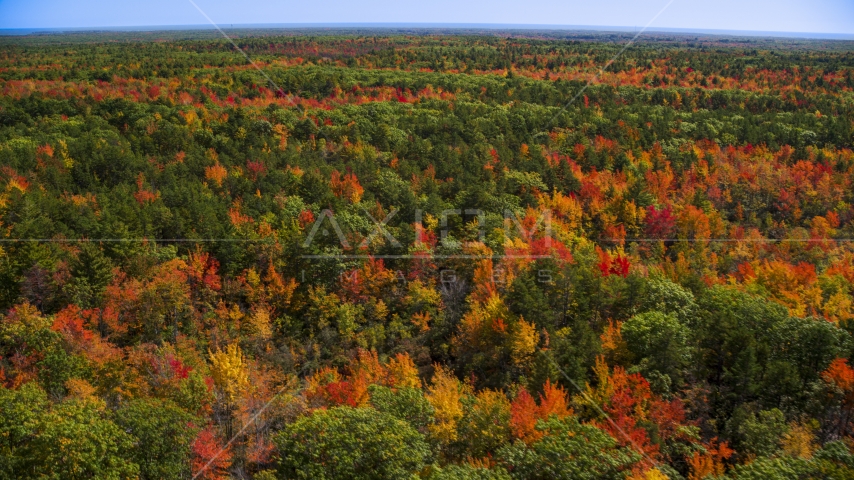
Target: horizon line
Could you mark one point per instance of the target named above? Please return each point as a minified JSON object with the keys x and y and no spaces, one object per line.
{"x":25,"y":31}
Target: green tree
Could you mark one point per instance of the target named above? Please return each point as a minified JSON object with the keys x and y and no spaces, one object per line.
{"x":757,"y":434}
{"x":20,"y":411}
{"x":658,"y":343}
{"x":833,"y":461}
{"x":468,"y":472}
{"x":485,"y":425}
{"x":809,"y":345}
{"x":77,"y":440}
{"x":731,"y":332}
{"x":407,"y":404}
{"x":666,"y":296}
{"x":350,"y":443}
{"x":91,"y":272}
{"x":162,"y":433}
{"x":28,"y":334}
{"x":782,"y":468}
{"x":568,"y":450}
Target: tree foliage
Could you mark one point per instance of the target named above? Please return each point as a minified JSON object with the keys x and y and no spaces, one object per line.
{"x":400,"y":255}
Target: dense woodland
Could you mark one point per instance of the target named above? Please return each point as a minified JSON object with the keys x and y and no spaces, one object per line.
{"x":426,"y":256}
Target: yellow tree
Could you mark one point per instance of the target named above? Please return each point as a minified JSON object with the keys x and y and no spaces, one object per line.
{"x":445,"y":394}
{"x":402,"y":372}
{"x":228,"y":370}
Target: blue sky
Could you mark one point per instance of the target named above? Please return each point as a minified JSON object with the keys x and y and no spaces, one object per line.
{"x":815,"y":16}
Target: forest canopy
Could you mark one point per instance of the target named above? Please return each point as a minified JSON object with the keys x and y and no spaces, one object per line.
{"x":426,"y":255}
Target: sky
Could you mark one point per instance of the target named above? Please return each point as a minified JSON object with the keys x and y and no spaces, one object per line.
{"x":814,"y":16}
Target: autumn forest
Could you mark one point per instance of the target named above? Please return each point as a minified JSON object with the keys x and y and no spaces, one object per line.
{"x":426,"y":255}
